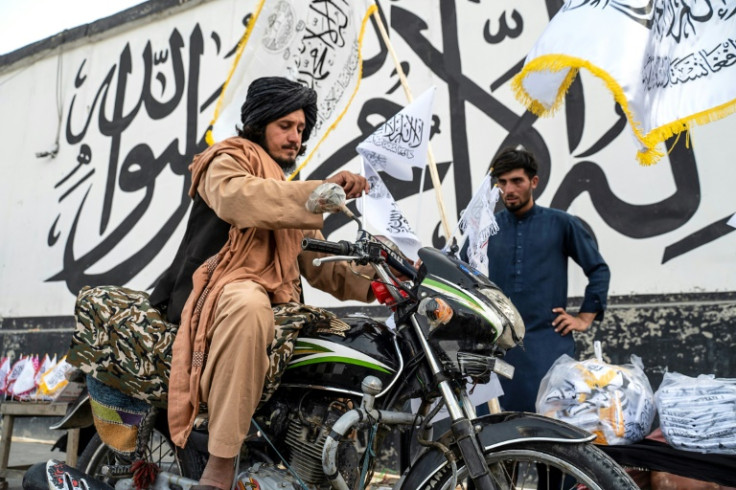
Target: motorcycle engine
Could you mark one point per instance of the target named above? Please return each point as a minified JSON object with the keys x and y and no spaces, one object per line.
{"x":306,"y":429}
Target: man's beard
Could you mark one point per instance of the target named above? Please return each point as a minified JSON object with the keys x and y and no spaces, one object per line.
{"x":288,"y":165}
{"x":515,"y":207}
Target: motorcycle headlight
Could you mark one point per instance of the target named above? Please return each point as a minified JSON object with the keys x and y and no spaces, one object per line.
{"x":513,"y":329}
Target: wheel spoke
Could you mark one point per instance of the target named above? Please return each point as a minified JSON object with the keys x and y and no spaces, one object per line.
{"x":159,"y":451}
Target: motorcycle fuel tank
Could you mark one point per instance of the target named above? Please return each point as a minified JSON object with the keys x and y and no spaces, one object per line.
{"x":338,"y":359}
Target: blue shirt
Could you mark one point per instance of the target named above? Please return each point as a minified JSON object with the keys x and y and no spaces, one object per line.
{"x":528,"y":260}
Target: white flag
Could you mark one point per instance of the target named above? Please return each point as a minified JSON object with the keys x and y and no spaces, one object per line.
{"x":53,"y":380}
{"x":15,"y":371}
{"x":669,"y":64}
{"x":384,"y":214}
{"x":314,"y":42}
{"x":478,"y":224}
{"x":4,"y":372}
{"x":44,"y":366}
{"x":25,"y":382}
{"x":401,"y":142}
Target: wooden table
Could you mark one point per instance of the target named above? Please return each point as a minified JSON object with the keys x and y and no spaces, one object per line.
{"x":10,"y":410}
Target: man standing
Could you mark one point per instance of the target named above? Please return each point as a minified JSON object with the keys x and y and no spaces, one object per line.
{"x":254,"y":220}
{"x":528,"y":260}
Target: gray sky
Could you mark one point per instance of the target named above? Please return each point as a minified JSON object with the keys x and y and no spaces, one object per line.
{"x":23,"y":22}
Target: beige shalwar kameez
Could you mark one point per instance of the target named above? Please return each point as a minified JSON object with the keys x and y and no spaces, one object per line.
{"x":220,"y":352}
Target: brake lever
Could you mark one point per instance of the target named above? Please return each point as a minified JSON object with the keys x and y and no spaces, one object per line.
{"x":332,"y":258}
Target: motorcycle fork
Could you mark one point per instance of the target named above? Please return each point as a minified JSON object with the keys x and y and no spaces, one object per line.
{"x":462,"y":428}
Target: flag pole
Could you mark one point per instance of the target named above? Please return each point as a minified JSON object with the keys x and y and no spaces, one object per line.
{"x":362,"y":194}
{"x":430,"y":155}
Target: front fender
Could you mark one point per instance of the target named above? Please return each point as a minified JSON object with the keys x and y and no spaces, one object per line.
{"x":506,"y":428}
{"x":497,"y":430}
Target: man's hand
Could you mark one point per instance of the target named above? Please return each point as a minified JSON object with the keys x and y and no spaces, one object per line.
{"x":353,"y":184}
{"x":566,"y":323}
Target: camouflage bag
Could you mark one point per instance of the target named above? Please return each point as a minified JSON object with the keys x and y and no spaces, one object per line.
{"x":124,"y":346}
{"x":123,"y":342}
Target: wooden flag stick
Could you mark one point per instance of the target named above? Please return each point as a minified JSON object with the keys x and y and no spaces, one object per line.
{"x":430,"y":155}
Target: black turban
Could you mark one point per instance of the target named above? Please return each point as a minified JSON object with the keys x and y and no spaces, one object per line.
{"x":270,"y":98}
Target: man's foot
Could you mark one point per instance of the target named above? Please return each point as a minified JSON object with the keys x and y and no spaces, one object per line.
{"x":218,"y":474}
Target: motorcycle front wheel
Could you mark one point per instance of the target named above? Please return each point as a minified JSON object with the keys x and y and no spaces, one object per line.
{"x":541,"y":465}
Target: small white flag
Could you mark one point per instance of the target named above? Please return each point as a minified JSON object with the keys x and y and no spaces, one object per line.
{"x":53,"y":380}
{"x":4,"y":372}
{"x":383,"y":213}
{"x":25,"y":383}
{"x":15,"y":371}
{"x":401,"y":142}
{"x":44,"y":366}
{"x":478,"y":224}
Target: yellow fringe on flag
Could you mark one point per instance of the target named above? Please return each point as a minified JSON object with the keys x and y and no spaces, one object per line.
{"x":241,"y":47}
{"x":649,"y":141}
{"x":367,"y":16}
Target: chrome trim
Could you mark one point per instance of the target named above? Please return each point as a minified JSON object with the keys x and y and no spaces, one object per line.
{"x":541,"y":439}
{"x":468,"y":406}
{"x":398,"y":371}
{"x":453,"y":407}
{"x":322,"y":387}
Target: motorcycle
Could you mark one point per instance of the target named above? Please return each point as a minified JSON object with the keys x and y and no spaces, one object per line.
{"x":342,"y":393}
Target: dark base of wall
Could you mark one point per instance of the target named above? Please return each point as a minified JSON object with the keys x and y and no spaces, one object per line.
{"x":692,"y":336}
{"x":35,"y":335}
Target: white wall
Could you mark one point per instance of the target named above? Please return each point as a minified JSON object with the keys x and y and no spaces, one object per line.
{"x":52,"y":235}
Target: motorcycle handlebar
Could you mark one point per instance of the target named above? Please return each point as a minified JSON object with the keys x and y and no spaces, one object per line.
{"x":344,"y":247}
{"x":401,"y":266}
{"x":336,"y":248}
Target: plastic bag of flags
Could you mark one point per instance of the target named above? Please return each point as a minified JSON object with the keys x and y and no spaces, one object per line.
{"x":698,"y":414}
{"x":616,"y":403}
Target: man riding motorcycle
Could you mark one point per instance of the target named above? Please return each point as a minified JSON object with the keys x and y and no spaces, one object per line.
{"x":240,"y":256}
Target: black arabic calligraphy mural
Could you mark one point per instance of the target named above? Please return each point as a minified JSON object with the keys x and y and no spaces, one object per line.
{"x":111,"y":114}
{"x":175,"y":70}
